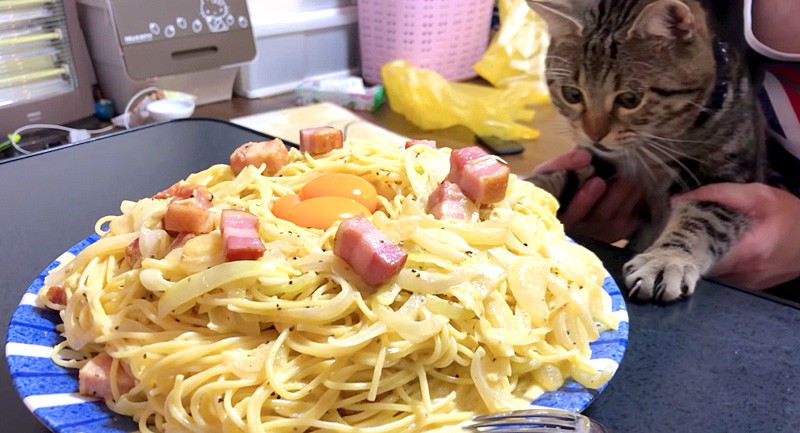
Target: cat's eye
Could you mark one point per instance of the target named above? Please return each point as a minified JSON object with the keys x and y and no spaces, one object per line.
{"x":571,"y":94}
{"x":629,"y":100}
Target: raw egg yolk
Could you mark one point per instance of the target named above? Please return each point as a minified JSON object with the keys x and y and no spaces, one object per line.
{"x":282,"y":206}
{"x":342,"y":185}
{"x":322,"y":212}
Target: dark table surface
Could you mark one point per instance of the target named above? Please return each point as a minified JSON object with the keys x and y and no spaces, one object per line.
{"x":723,"y":361}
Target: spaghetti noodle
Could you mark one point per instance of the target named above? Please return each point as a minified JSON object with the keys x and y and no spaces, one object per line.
{"x":485,"y":316}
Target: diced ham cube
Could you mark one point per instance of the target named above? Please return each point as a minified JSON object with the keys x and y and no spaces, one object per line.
{"x":94,"y":378}
{"x":429,"y":143}
{"x":273,"y":153}
{"x":480,"y":176}
{"x":317,"y":141}
{"x":180,"y":240}
{"x":371,"y":254}
{"x":182,"y":217}
{"x":57,"y":295}
{"x":132,"y":253}
{"x":240,"y":238}
{"x":447,"y":201}
{"x":169,"y":192}
{"x":199,"y":193}
{"x":188,"y":211}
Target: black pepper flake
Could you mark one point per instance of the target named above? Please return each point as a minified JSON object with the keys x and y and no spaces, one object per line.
{"x":419,"y":275}
{"x":414,"y":271}
{"x":144,"y":356}
{"x":178,"y":320}
{"x":219,"y":399}
{"x":525,"y":244}
{"x":381,"y":241}
{"x":290,"y":282}
{"x":116,"y":328}
{"x":294,"y":258}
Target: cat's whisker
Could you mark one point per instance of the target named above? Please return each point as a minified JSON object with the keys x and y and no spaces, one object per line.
{"x":675,"y":140}
{"x":670,"y":150}
{"x":551,"y":56}
{"x":645,"y":64}
{"x":645,"y":166}
{"x":670,"y":171}
{"x":675,"y":152}
{"x":559,"y":74}
{"x":677,"y":161}
{"x":699,"y":105}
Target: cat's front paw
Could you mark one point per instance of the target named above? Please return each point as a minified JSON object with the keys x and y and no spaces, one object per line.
{"x":661,"y":275}
{"x":552,"y":182}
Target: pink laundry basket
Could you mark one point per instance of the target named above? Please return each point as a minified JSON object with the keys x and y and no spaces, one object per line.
{"x":447,"y":36}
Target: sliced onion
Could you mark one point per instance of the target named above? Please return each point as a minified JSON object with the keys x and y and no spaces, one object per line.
{"x":153,"y":243}
{"x":184,"y":292}
{"x":403,"y":321}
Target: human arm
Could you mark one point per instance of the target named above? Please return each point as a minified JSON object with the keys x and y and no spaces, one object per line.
{"x":771,"y":28}
{"x":605,"y":211}
{"x":768,"y":253}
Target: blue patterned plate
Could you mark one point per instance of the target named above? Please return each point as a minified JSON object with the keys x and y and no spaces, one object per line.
{"x":51,"y":392}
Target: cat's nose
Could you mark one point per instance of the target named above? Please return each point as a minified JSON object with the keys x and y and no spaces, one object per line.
{"x":596,"y":127}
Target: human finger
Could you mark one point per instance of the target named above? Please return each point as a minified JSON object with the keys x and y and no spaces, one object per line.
{"x":736,"y":263}
{"x":574,"y":160}
{"x":618,"y":201}
{"x":583,"y":201}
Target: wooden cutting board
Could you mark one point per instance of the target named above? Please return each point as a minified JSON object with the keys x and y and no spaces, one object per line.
{"x":286,"y":124}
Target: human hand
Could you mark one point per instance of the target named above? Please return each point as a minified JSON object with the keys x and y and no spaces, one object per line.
{"x":768,"y":253}
{"x":605,"y":211}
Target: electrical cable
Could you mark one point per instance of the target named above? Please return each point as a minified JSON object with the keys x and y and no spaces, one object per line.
{"x":132,"y":100}
{"x":77,"y":133}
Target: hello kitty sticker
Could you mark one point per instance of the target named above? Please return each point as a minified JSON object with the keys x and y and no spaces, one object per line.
{"x":217,"y":14}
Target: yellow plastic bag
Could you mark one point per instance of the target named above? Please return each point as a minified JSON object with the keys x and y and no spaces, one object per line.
{"x":514,"y":63}
{"x":518,"y":49}
{"x":429,"y":101}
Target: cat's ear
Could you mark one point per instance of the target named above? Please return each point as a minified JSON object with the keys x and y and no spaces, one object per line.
{"x":664,"y":18}
{"x":559,"y":23}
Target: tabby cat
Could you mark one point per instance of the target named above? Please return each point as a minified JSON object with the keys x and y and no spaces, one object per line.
{"x":651,"y":92}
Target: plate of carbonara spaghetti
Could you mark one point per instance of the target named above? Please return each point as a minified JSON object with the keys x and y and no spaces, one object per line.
{"x":339,"y":287}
